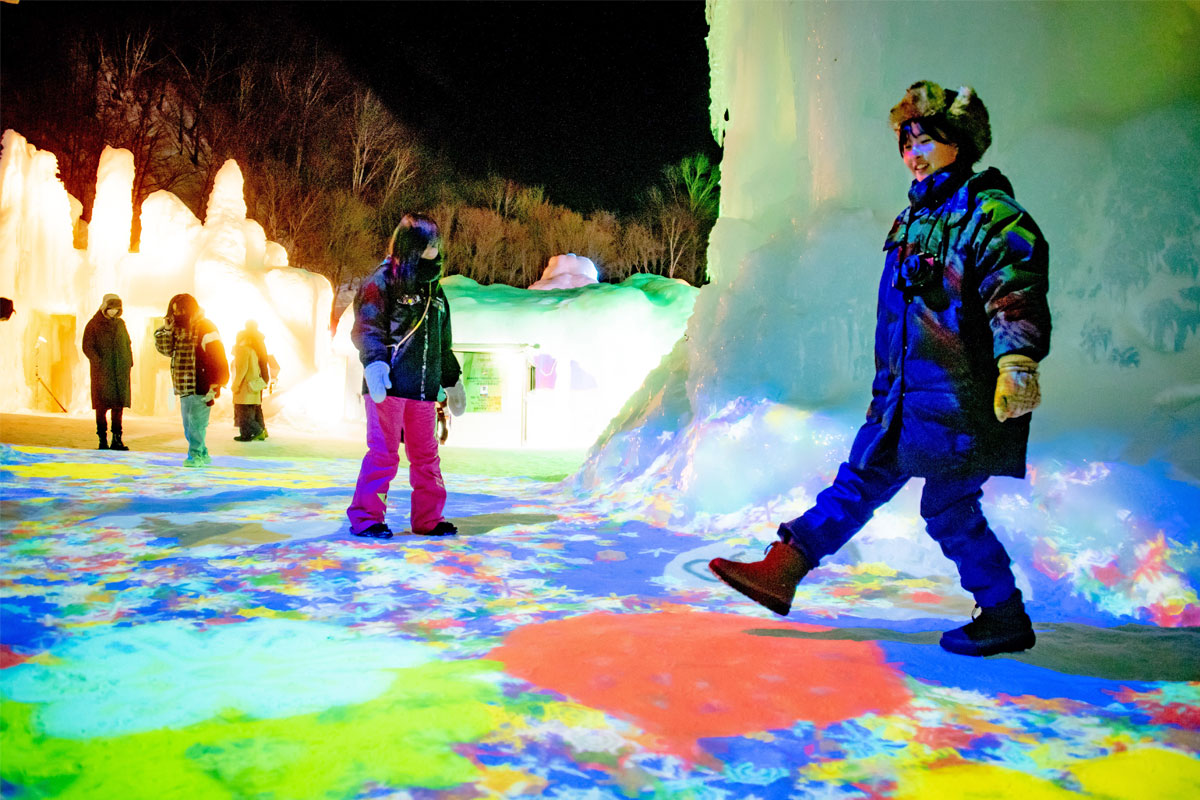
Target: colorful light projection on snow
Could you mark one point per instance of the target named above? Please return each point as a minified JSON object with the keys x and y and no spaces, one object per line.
{"x":218,"y":636}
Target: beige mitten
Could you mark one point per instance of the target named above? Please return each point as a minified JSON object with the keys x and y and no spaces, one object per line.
{"x":1017,"y":389}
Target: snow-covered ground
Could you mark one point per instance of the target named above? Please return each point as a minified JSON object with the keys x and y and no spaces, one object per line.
{"x":218,"y":634}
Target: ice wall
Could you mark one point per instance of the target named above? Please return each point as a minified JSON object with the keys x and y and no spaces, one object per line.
{"x":1096,"y":120}
{"x":226,"y":262}
{"x":589,"y":348}
{"x":598,"y":340}
{"x":37,"y":259}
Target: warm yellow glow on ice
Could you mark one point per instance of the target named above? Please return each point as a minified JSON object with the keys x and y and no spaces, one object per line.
{"x":112,"y":219}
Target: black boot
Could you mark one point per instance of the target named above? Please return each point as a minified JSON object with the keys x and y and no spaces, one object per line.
{"x":1002,"y":628}
{"x":103,"y":440}
{"x":443,"y":528}
{"x":770,"y":582}
{"x":117,"y":444}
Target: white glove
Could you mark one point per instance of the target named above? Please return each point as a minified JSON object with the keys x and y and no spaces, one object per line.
{"x":1017,"y":391}
{"x":378,"y":380}
{"x":456,"y":398}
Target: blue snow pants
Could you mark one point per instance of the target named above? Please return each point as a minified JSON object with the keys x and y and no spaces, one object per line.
{"x":195,"y":413}
{"x":949,"y":506}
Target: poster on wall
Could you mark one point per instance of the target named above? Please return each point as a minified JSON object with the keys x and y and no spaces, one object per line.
{"x":481,"y":374}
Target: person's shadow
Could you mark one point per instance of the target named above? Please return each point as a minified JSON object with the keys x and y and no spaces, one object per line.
{"x":482,"y":523}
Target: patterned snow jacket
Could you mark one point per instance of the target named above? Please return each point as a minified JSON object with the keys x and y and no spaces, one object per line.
{"x":384,"y":314}
{"x":964,"y":282}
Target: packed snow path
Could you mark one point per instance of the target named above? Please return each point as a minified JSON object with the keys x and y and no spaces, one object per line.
{"x":217,"y":633}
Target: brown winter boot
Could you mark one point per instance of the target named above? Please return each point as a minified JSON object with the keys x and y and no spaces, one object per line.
{"x":770,"y":582}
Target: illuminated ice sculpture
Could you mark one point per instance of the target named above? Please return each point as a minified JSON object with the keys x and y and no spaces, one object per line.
{"x":567,"y":271}
{"x":226,"y":262}
{"x":546,"y":368}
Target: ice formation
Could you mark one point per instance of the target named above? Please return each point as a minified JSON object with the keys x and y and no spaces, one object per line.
{"x":1096,"y":120}
{"x":226,"y":262}
{"x":548,"y":368}
{"x":567,"y":271}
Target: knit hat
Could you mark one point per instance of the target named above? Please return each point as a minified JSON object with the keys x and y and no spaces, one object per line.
{"x":110,"y":301}
{"x":962,"y":112}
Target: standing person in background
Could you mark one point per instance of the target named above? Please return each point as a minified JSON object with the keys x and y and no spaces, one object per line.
{"x":198,"y":369}
{"x":402,"y":332}
{"x":248,"y":384}
{"x":267,"y":366}
{"x":106,"y":345}
{"x":962,"y":322}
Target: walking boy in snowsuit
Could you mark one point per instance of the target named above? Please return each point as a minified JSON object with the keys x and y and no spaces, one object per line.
{"x":962,"y":323}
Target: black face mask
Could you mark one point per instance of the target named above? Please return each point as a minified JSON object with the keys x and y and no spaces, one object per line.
{"x":429,"y":270}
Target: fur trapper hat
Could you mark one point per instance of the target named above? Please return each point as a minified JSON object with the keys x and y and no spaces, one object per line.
{"x":110,"y":301}
{"x":962,"y":111}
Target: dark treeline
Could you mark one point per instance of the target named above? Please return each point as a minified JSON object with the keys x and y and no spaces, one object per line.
{"x":328,"y":166}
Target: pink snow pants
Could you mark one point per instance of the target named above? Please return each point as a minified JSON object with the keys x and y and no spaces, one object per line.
{"x":385,"y":421}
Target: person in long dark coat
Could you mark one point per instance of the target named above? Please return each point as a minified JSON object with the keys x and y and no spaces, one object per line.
{"x":962,"y":323}
{"x":106,"y":345}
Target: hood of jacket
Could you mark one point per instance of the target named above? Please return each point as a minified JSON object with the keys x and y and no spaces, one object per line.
{"x":110,"y":301}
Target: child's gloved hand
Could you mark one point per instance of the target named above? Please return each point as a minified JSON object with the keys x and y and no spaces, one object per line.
{"x":378,"y":380}
{"x":1017,"y":390}
{"x":456,"y":398}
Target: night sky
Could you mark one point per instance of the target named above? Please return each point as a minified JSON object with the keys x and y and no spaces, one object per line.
{"x":588,"y":99}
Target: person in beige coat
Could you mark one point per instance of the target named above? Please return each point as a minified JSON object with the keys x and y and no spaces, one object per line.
{"x":248,"y":384}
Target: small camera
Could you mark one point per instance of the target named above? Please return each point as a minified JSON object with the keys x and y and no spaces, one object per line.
{"x":917,"y":273}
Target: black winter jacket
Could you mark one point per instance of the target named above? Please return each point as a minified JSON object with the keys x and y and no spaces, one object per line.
{"x":384,"y":314}
{"x":106,"y":345}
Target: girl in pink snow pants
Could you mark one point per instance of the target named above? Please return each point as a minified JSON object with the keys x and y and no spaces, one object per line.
{"x":402,"y":332}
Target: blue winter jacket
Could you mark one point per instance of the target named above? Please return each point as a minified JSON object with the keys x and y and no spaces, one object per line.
{"x":964,"y":282}
{"x":385,"y":312}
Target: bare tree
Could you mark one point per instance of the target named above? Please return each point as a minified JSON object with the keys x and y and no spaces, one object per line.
{"x":600,"y":235}
{"x":303,"y":85}
{"x":641,"y":249}
{"x":696,"y":183}
{"x":381,"y":153}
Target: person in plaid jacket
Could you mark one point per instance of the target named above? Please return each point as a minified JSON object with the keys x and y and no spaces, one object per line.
{"x":198,"y":369}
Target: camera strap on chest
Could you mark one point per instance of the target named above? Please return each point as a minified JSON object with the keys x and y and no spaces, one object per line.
{"x":398,"y":347}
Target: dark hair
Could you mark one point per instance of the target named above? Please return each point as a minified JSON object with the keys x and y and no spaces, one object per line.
{"x":412,"y":235}
{"x":186,"y":304}
{"x":940,"y":129}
